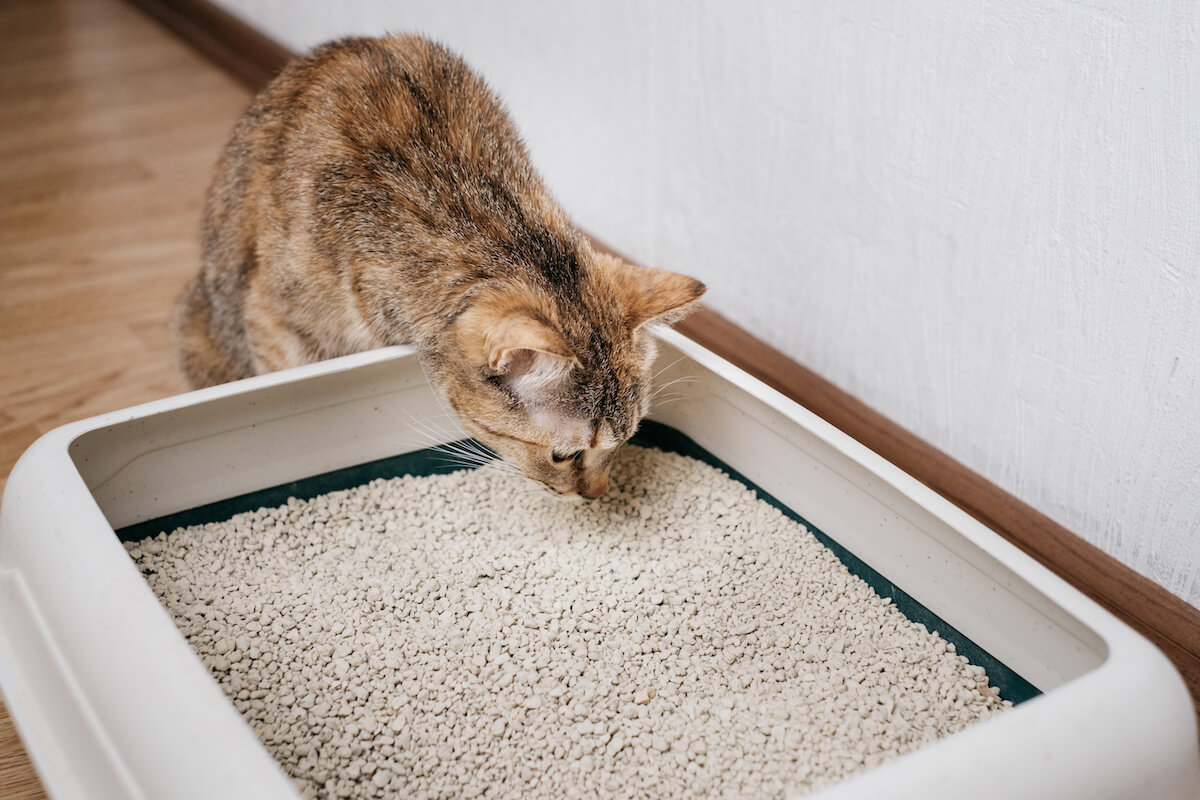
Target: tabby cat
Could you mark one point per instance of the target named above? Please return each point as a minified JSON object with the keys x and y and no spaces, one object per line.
{"x":377,"y":193}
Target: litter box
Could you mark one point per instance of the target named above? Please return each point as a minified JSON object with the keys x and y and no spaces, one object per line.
{"x":111,"y":702}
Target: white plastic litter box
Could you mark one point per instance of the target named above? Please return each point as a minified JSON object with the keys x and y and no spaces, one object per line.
{"x":111,"y":701}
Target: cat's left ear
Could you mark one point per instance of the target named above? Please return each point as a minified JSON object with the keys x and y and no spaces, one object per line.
{"x":519,"y":343}
{"x":511,"y":341}
{"x":650,"y":295}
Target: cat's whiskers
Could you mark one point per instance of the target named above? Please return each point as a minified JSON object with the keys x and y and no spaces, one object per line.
{"x":660,"y":397}
{"x":670,"y":383}
{"x":654,"y":377}
{"x":478,"y":455}
{"x":668,"y":400}
{"x":431,"y":431}
{"x":486,"y":458}
{"x":465,"y":455}
{"x":456,"y":448}
{"x":453,"y":447}
{"x":507,"y":470}
{"x":459,"y":455}
{"x":447,"y":413}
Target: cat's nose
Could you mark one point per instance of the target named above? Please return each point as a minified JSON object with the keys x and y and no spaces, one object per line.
{"x":593,"y":488}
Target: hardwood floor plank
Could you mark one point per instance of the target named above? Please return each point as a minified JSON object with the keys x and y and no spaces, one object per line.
{"x":109,"y":127}
{"x":17,"y":778}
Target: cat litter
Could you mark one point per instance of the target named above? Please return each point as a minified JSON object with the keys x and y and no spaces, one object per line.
{"x":465,"y":635}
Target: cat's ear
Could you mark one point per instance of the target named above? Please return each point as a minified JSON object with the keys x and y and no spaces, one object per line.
{"x":511,"y":342}
{"x":650,"y":294}
{"x":521,"y":346}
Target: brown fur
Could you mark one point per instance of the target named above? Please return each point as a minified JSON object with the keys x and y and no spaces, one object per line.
{"x":377,"y":193}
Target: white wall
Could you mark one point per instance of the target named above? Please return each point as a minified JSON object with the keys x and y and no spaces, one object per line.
{"x":983,"y":219}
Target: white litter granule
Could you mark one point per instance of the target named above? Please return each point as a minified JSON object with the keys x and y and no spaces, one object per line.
{"x":465,"y":635}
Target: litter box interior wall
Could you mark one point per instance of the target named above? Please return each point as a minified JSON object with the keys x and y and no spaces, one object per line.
{"x":982,"y":220}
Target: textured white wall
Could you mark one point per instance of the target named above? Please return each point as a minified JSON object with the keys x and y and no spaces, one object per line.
{"x":980,"y":218}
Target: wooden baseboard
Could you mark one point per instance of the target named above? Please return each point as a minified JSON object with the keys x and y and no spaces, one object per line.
{"x":1169,"y":622}
{"x":230,"y":43}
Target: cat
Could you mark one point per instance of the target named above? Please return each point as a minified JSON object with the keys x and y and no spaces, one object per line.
{"x":377,"y":193}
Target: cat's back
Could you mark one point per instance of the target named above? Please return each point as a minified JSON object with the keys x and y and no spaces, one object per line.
{"x":368,"y":139}
{"x":361,"y":194}
{"x":393,"y":104}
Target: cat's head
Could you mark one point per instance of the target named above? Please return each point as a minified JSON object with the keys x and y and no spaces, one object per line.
{"x":556,"y":380}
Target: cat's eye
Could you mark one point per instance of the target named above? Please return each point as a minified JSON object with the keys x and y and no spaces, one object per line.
{"x":559,"y":459}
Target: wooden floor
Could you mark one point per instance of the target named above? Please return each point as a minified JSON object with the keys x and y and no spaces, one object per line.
{"x":109,"y":128}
